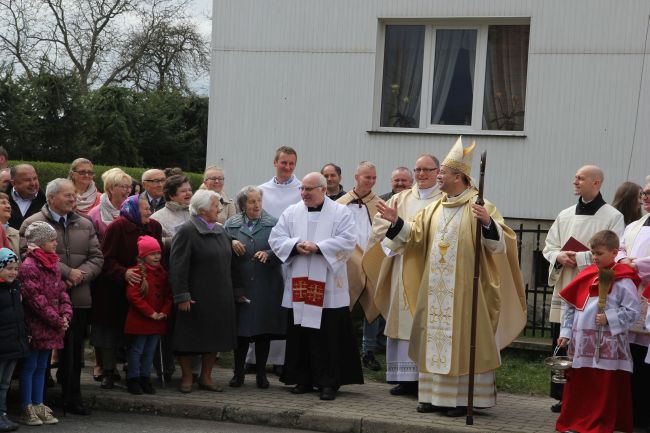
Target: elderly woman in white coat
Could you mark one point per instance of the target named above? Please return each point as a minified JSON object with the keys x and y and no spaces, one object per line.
{"x":178,"y":193}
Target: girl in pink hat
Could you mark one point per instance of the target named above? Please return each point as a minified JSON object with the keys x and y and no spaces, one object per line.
{"x":150,"y":303}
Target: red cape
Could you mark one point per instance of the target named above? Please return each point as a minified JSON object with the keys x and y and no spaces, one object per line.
{"x":585,"y":284}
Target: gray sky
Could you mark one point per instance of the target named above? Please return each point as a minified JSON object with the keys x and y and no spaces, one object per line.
{"x":202,"y":11}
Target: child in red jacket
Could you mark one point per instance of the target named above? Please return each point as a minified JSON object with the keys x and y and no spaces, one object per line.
{"x":150,"y":303}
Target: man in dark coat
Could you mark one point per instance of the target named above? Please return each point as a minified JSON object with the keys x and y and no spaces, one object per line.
{"x":153,"y":181}
{"x":25,"y":196}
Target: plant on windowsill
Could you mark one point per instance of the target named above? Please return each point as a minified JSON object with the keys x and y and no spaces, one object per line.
{"x":506,"y":120}
{"x":398,"y":106}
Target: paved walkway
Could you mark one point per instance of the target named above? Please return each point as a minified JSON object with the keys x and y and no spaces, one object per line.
{"x":365,"y":408}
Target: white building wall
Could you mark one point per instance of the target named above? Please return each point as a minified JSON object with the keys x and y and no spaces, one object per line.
{"x":302,"y":73}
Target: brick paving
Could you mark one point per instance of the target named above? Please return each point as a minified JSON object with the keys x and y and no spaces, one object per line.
{"x":367,"y":408}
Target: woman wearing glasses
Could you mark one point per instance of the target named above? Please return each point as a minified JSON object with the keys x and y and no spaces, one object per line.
{"x":117,"y":186}
{"x":81,"y":174}
{"x":213,"y":179}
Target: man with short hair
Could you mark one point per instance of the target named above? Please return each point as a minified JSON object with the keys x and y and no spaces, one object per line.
{"x":385,"y":271}
{"x":439,"y":256}
{"x":153,"y":181}
{"x":283,"y":189}
{"x":80,"y":262}
{"x":400,"y":179}
{"x":280,"y":192}
{"x":315,"y":238}
{"x":332,"y":173}
{"x":362,"y":203}
{"x":25,"y":196}
{"x":577,"y":223}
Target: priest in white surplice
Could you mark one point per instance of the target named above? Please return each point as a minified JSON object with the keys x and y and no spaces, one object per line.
{"x":280,"y":192}
{"x":581,"y":221}
{"x":635,"y":251}
{"x":385,"y":271}
{"x":315,"y":238}
{"x":439,"y":256}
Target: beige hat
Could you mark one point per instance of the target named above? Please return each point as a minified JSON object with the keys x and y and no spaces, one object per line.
{"x":460,"y":158}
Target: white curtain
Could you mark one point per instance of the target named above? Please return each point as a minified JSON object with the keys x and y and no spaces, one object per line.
{"x":505,"y":78}
{"x":449,"y":43}
{"x":402,"y":80}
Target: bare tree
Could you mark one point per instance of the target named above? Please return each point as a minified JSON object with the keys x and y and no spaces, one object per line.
{"x":172,"y":54}
{"x":103,"y":41}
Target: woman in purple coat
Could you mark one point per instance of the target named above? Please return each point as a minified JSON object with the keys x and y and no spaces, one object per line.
{"x":120,"y":249}
{"x":47,"y":313}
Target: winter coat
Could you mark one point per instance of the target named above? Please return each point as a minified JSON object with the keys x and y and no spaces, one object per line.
{"x":120,"y":248}
{"x":157,"y":300}
{"x":77,"y":248}
{"x":171,"y":217}
{"x":200,"y":270}
{"x":46,"y":303}
{"x":261,"y":283}
{"x":18,"y":218}
{"x":227,"y":208}
{"x":13,"y":236}
{"x":13,"y":332}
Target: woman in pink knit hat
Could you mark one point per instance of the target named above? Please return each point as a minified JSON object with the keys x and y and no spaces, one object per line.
{"x":150,"y":303}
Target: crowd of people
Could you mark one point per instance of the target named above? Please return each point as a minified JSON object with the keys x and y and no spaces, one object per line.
{"x":158,"y":275}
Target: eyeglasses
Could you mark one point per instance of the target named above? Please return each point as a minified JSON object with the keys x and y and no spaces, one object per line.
{"x":309,"y":188}
{"x":645,"y":193}
{"x":84,"y":172}
{"x":154,"y":180}
{"x":215,"y":179}
{"x":424,"y":170}
{"x":124,"y":186}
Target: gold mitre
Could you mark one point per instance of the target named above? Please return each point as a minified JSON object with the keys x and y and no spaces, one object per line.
{"x":460,"y":158}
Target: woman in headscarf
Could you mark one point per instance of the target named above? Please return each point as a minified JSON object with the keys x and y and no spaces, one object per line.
{"x":120,"y":249}
{"x":81,"y":174}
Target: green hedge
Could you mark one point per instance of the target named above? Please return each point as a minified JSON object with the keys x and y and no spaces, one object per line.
{"x":51,"y":170}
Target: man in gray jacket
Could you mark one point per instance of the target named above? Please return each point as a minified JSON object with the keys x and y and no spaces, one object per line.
{"x":81,"y":261}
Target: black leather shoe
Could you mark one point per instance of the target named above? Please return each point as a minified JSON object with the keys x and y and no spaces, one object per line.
{"x":147,"y":387}
{"x":76,"y":408}
{"x":404,"y":389}
{"x":456,"y":412}
{"x":557,"y":407}
{"x":427,"y":408}
{"x":369,"y":361}
{"x":302,"y":389}
{"x":236,"y":381}
{"x":262,"y":381}
{"x":327,"y":393}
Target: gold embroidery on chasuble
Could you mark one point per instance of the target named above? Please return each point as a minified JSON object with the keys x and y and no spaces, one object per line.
{"x":442,"y":279}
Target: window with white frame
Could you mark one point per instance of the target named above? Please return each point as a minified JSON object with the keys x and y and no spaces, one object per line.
{"x":454,"y":78}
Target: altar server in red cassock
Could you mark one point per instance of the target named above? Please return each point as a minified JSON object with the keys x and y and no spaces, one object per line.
{"x":597,"y":396}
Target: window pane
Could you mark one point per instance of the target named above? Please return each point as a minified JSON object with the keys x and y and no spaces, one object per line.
{"x":453,"y":77}
{"x":402,"y":80}
{"x":505,"y":78}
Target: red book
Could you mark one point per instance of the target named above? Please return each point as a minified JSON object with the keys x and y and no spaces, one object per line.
{"x":574,"y":245}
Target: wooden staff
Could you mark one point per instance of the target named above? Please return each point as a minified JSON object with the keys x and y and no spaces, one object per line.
{"x":469,"y":420}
